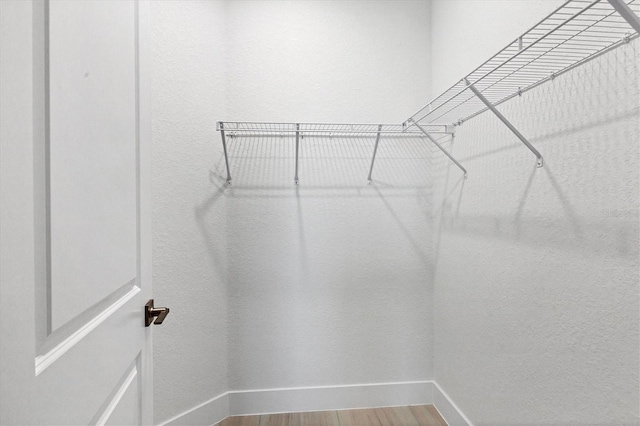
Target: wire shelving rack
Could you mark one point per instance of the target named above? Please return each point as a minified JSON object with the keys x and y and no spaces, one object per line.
{"x":232,"y":129}
{"x":576,"y":32}
{"x":573,"y":34}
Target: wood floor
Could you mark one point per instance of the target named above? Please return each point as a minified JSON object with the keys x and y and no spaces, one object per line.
{"x":415,"y":415}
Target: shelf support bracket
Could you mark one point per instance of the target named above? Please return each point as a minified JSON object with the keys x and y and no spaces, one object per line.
{"x":297,"y":149}
{"x":505,"y":121}
{"x":441,"y":148}
{"x":375,"y":150}
{"x":224,"y":145}
{"x":625,"y":11}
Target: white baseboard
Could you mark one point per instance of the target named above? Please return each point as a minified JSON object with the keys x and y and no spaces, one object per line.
{"x":448,"y":409}
{"x":206,"y":414}
{"x":320,"y":398}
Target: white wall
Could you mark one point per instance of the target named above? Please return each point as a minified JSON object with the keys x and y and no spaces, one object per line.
{"x":189,"y":248}
{"x":536,"y":288}
{"x":328,"y":281}
{"x":273,"y":285}
{"x":328,"y":61}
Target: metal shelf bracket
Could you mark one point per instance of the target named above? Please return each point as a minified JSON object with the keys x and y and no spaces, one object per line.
{"x":506,"y":122}
{"x":375,"y":150}
{"x":224,"y":145}
{"x":441,"y":148}
{"x":625,"y":11}
{"x":297,"y":149}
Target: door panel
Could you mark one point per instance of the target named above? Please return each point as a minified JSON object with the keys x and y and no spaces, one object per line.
{"x":92,"y":153}
{"x":122,"y":409}
{"x":74,"y":388}
{"x":77,"y":289}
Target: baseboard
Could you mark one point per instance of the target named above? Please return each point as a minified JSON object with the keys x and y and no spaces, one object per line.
{"x":206,"y":414}
{"x":321,"y":398}
{"x":289,"y":400}
{"x":448,"y":409}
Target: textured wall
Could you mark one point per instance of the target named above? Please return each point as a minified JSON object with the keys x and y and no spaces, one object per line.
{"x":189,"y":249}
{"x":465,"y":33}
{"x":536,"y":289}
{"x":270,"y":284}
{"x":329,"y":282}
{"x":332,"y":61}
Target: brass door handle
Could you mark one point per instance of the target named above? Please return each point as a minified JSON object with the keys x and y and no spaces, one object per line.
{"x":151,"y":312}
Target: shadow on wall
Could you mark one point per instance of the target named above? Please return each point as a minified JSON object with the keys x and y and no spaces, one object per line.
{"x":330,"y":272}
{"x":451,"y":199}
{"x":585,"y":197}
{"x":336,"y":162}
{"x":201,"y":212}
{"x":536,"y":293}
{"x":331,"y":168}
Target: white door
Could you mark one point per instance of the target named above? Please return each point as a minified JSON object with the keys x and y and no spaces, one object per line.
{"x":74,"y":213}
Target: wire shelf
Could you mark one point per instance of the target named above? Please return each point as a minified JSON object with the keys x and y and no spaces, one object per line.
{"x":576,"y":32}
{"x":298,"y":131}
{"x":245,"y":128}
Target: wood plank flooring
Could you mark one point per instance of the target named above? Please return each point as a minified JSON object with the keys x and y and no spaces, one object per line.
{"x":415,"y":415}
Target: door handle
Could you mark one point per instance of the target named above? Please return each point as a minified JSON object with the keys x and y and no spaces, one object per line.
{"x":151,"y":312}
